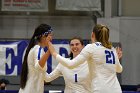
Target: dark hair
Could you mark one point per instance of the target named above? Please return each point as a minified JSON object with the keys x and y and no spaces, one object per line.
{"x":102,"y":35}
{"x":81,"y":41}
{"x":42,"y":29}
{"x":4,"y":81}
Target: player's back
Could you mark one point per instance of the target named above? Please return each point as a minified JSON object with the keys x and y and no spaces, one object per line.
{"x":104,"y":62}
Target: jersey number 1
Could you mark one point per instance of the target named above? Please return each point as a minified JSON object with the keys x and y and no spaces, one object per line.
{"x":110,"y":58}
{"x":75,"y":78}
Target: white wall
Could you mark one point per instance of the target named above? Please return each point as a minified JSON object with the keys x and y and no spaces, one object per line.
{"x":130,"y":39}
{"x":113,"y":24}
{"x":65,"y":27}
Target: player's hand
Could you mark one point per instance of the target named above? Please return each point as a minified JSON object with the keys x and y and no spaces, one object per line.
{"x":119,"y":52}
{"x":47,"y":40}
{"x":52,"y":49}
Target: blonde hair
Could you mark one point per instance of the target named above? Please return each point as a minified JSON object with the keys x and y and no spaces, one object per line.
{"x":102,"y":35}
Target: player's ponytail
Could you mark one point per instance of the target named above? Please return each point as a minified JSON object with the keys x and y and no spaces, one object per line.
{"x":24,"y":71}
{"x":102,"y":35}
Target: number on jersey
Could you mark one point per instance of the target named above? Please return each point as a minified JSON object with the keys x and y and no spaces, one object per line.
{"x":75,"y":78}
{"x":110,"y":58}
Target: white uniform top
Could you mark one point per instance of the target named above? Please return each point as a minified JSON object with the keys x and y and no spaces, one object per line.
{"x":77,"y":80}
{"x":35,"y":81}
{"x":103,"y":65}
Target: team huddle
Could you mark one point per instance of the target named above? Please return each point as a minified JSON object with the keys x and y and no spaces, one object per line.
{"x":89,"y":69}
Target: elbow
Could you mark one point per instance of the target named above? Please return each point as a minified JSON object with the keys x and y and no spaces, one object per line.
{"x":37,"y":66}
{"x":47,"y":78}
{"x":119,"y":70}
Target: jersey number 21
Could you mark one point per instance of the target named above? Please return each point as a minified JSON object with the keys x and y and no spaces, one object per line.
{"x":110,"y":58}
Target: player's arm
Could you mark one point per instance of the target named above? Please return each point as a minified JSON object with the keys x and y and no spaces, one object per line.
{"x":54,"y":74}
{"x":119,"y":67}
{"x":81,"y":58}
{"x":44,"y":58}
{"x":41,"y":58}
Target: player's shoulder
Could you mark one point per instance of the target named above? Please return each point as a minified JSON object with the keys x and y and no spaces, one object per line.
{"x":94,"y":45}
{"x":39,"y":48}
{"x":36,"y":47}
{"x":90,"y":47}
{"x":87,"y":47}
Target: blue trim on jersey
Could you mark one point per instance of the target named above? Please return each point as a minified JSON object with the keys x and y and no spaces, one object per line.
{"x":76,"y":78}
{"x":39,"y":52}
{"x":98,"y":44}
{"x":45,"y":49}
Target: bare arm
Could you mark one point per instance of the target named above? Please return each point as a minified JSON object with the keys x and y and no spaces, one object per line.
{"x":54,"y":74}
{"x":119,"y":67}
{"x":52,"y":50}
{"x":44,"y":58}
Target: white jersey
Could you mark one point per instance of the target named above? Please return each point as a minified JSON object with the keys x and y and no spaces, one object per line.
{"x":35,"y":81}
{"x":77,"y":80}
{"x":103,"y":65}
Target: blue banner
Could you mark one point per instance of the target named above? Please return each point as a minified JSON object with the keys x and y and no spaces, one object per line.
{"x":12,"y":53}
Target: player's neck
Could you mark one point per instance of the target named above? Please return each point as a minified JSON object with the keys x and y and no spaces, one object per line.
{"x":74,"y":55}
{"x":40,"y":44}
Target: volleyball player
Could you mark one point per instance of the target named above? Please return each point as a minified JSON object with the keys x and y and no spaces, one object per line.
{"x":77,"y":79}
{"x":34,"y":64}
